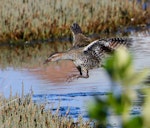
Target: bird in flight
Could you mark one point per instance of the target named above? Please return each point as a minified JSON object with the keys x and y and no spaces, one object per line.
{"x":87,"y":54}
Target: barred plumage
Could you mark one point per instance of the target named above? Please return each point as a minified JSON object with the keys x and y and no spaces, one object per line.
{"x":102,"y":46}
{"x":90,"y":56}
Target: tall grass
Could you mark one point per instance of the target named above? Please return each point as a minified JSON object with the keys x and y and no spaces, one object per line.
{"x":36,"y":19}
{"x":22,"y":112}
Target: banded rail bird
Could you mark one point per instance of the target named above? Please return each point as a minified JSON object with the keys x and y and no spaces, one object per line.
{"x":90,"y":56}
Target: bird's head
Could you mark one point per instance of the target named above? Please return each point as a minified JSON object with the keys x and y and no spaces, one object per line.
{"x":75,"y":28}
{"x":53,"y":57}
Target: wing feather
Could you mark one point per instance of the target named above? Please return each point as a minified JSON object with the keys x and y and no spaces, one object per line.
{"x":99,"y":47}
{"x":79,"y":39}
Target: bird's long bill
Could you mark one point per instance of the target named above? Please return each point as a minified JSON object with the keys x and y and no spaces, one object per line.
{"x":46,"y":61}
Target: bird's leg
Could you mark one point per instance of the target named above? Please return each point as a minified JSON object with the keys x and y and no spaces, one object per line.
{"x":86,"y":75}
{"x":76,"y":76}
{"x":79,"y":69}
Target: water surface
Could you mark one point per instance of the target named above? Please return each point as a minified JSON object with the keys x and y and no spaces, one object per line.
{"x":49,"y":85}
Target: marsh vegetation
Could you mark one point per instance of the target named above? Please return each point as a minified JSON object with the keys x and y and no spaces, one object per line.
{"x":25,"y":20}
{"x":32,"y":29}
{"x":22,"y":112}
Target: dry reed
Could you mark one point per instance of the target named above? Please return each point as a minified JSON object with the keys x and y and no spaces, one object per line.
{"x":35,"y":19}
{"x":22,"y":112}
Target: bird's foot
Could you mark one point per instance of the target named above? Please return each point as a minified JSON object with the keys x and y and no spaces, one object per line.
{"x":75,"y":76}
{"x":72,"y":77}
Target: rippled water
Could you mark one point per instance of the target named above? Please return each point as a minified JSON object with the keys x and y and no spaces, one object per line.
{"x":49,"y":82}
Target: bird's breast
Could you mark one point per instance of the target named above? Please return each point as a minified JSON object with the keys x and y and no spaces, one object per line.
{"x":87,"y":62}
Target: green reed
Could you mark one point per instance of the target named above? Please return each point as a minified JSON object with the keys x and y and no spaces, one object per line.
{"x":29,"y":20}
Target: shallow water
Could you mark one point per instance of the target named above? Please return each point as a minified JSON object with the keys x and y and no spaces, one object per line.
{"x":49,"y":84}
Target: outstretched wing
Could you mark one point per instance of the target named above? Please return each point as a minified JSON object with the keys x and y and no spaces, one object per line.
{"x":99,"y":47}
{"x":79,"y":39}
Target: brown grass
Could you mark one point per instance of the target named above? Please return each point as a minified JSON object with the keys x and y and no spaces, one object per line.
{"x":24,"y":20}
{"x":22,"y":112}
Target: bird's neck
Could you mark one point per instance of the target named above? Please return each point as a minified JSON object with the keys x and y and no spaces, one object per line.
{"x":65,"y":56}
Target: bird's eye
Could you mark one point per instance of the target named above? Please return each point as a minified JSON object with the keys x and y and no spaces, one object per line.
{"x":85,"y":52}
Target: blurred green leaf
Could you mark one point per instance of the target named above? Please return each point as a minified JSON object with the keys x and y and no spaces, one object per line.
{"x":121,"y":70}
{"x":146,"y":108}
{"x":115,"y":103}
{"x":134,"y":122}
{"x":119,"y":65}
{"x":137,"y":77}
{"x":98,"y":110}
